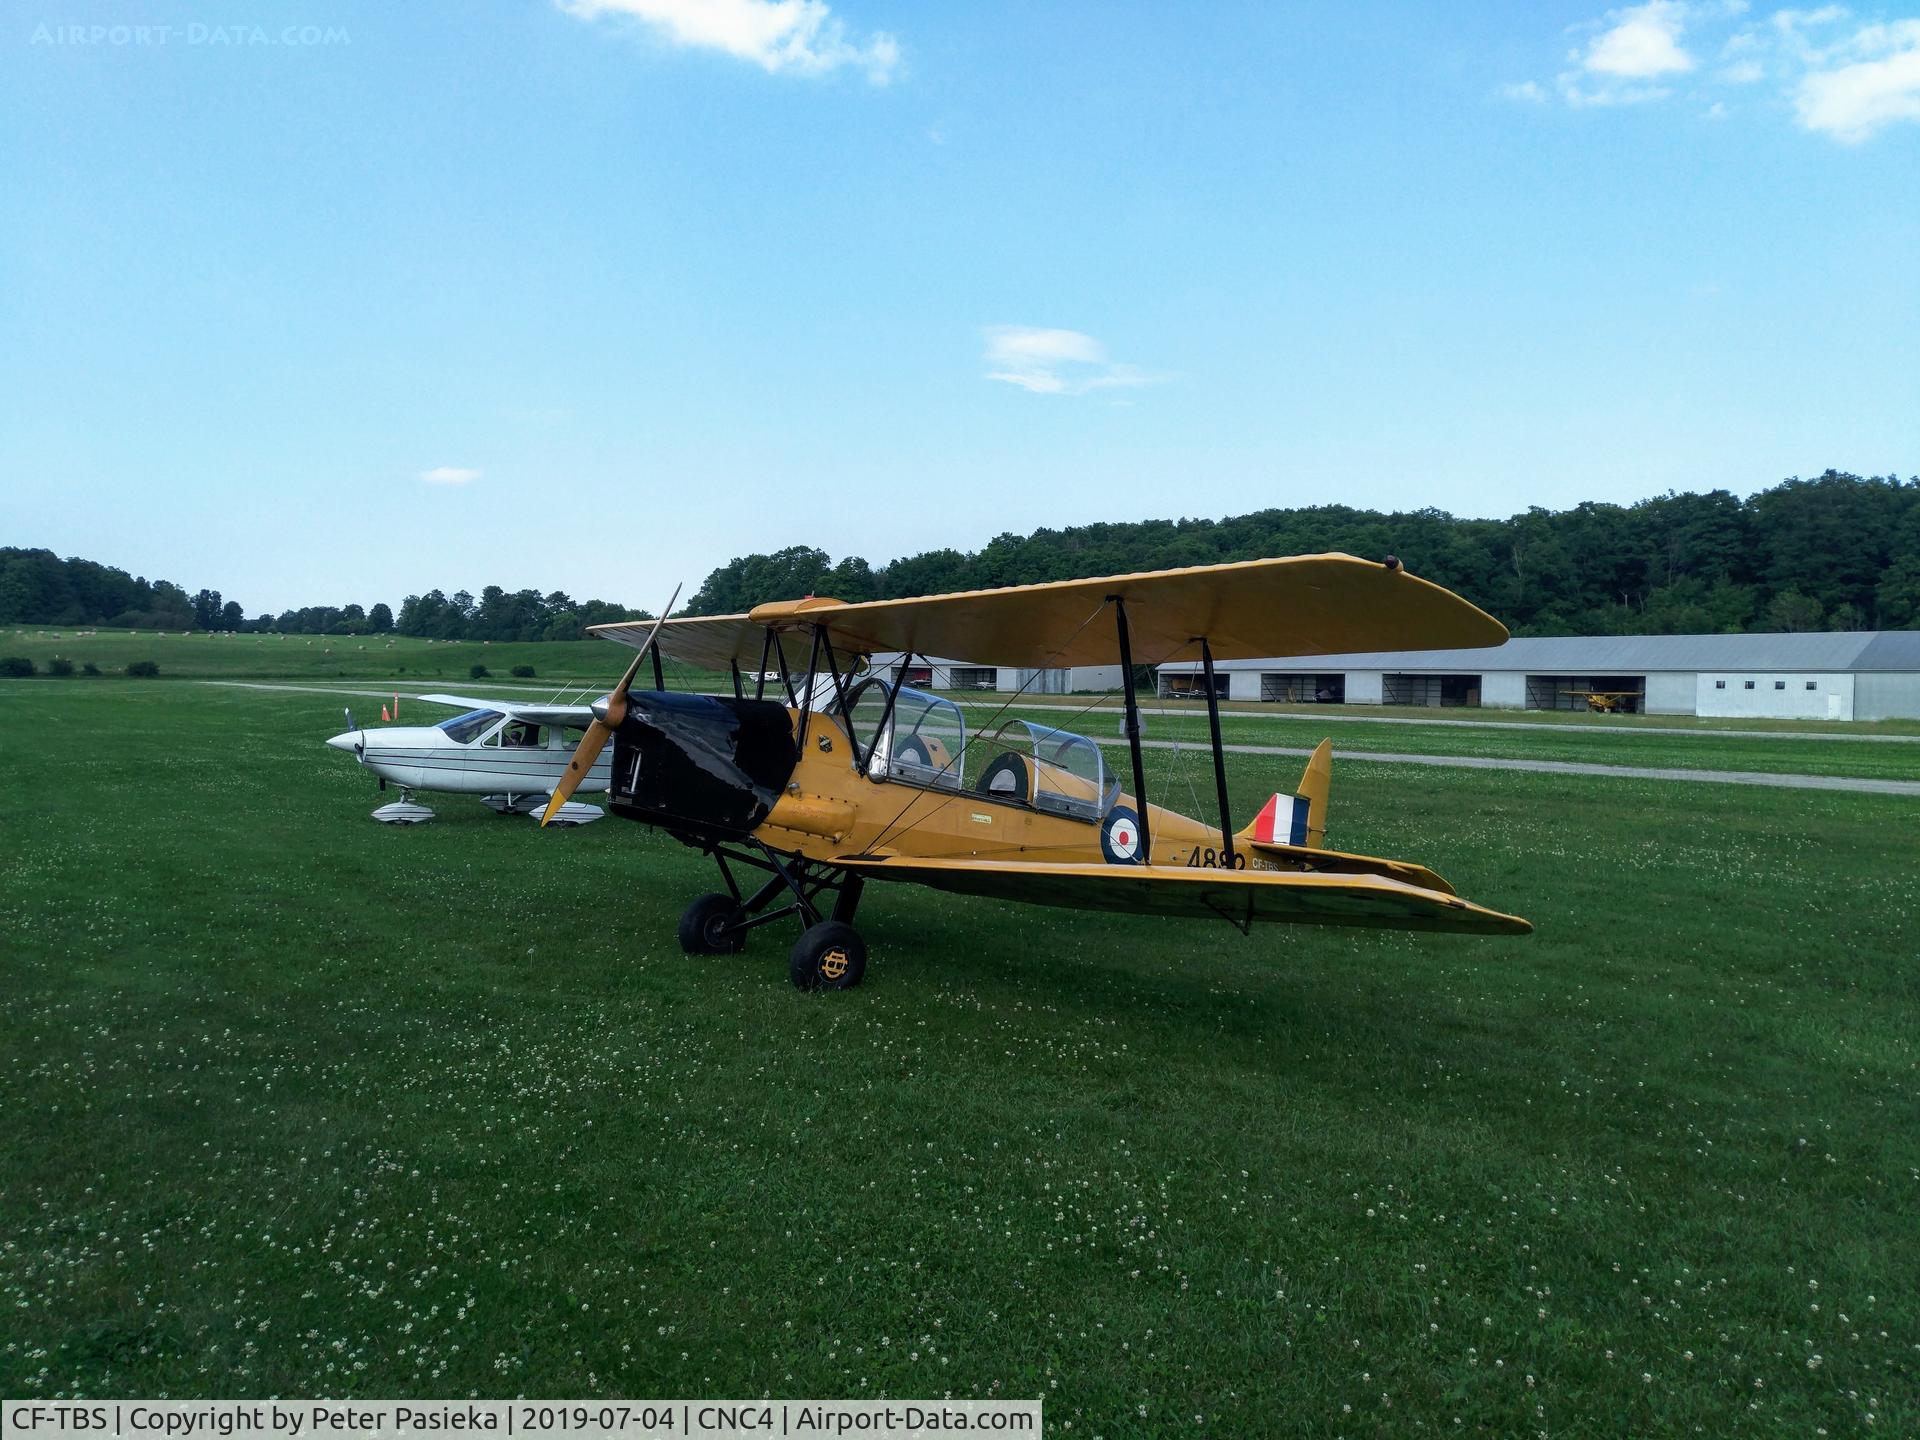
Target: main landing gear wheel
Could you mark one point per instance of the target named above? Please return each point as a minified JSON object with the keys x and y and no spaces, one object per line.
{"x":703,"y":927}
{"x":828,"y":956}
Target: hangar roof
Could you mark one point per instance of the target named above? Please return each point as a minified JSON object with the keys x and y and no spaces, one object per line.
{"x":1628,"y":654}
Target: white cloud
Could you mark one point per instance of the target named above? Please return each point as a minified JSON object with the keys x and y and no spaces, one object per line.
{"x":1634,"y":47}
{"x":1848,"y":81}
{"x":1643,"y":41}
{"x":1854,"y":102}
{"x":802,"y":36}
{"x":1580,"y":96}
{"x":1055,"y":362}
{"x":449,"y":475}
{"x":1791,"y":22}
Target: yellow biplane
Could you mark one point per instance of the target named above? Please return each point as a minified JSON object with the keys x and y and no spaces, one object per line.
{"x":845,"y":778}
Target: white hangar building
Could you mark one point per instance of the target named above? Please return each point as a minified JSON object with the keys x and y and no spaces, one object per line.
{"x":933,"y":672}
{"x":1844,"y":675}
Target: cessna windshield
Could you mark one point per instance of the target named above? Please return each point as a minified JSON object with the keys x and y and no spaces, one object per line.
{"x":467,"y":728}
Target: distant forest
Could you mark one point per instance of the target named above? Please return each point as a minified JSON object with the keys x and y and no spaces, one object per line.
{"x":37,"y":587}
{"x":1834,"y":553}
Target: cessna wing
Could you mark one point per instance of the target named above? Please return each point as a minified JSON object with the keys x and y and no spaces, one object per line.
{"x":538,"y":714}
{"x":1241,"y":896}
{"x":1297,"y":605}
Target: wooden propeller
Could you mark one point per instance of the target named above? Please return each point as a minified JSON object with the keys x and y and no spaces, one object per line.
{"x":595,"y":740}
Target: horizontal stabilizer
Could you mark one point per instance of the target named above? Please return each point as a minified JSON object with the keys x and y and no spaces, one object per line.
{"x":1335,"y":862}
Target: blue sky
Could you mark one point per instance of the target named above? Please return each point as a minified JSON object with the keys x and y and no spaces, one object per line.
{"x":333,"y":302}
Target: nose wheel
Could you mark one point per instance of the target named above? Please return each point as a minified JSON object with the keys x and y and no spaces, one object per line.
{"x":404,"y":811}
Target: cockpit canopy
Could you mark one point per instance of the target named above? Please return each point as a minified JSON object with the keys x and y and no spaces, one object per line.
{"x":1067,"y":774}
{"x":925,"y":742}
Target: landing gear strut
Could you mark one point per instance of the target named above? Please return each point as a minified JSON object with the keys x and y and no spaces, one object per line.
{"x":829,"y":955}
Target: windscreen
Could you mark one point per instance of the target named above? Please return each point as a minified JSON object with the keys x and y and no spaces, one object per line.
{"x":929,"y":740}
{"x":1070,"y":775}
{"x":923,"y":741}
{"x":465,"y":729}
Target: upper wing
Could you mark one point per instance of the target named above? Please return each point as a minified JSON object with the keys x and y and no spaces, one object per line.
{"x":710,"y":642}
{"x":538,"y":714}
{"x":1241,"y":896}
{"x":1298,"y":605}
{"x":713,"y":642}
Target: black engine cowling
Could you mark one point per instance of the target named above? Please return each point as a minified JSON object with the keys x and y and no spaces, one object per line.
{"x":701,"y":764}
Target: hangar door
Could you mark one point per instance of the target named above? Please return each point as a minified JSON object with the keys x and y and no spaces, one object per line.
{"x":1303,"y":689}
{"x":1176,"y":684}
{"x":1627,"y":694}
{"x":1430,"y":690}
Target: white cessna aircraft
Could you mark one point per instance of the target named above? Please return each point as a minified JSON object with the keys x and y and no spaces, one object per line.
{"x":508,"y":752}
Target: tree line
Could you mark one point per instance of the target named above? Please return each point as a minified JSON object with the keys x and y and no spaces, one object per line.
{"x":1837,"y":552}
{"x":37,"y":587}
{"x":502,"y":615}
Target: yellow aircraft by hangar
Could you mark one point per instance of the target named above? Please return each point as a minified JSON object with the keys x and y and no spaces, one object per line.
{"x":845,"y":779}
{"x":1607,"y":702}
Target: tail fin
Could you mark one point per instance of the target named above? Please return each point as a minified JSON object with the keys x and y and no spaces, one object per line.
{"x":1299,"y":818}
{"x":1316,"y":784}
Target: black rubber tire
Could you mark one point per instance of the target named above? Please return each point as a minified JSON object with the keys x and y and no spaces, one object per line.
{"x":702,"y":924}
{"x":828,"y":956}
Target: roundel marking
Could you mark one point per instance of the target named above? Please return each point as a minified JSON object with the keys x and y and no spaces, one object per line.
{"x":1120,"y":837}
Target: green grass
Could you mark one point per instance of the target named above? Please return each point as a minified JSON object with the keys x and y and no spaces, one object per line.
{"x":299,"y":1104}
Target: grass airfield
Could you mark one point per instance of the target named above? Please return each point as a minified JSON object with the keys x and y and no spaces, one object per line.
{"x":399,"y":659}
{"x":299,"y":1104}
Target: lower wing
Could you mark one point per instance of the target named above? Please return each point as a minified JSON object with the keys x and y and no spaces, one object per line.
{"x":1240,"y":896}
